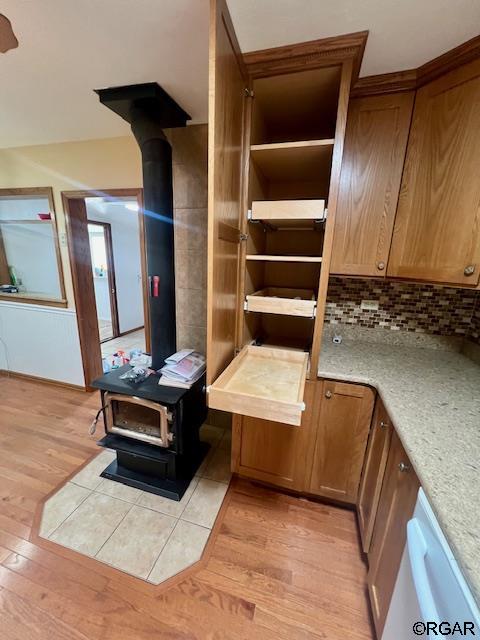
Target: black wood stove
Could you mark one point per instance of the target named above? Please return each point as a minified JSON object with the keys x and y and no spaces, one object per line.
{"x":154,"y":429}
{"x":155,"y":432}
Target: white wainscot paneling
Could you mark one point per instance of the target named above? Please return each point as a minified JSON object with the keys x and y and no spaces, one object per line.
{"x":40,"y":341}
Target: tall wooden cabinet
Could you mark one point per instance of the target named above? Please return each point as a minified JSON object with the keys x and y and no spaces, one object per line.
{"x":276,"y":130}
{"x":437,"y":229}
{"x":375,"y":145}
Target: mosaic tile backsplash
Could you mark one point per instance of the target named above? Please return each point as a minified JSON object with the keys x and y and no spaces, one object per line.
{"x":422,"y":308}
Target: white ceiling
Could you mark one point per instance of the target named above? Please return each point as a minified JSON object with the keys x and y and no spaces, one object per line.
{"x":70,"y":47}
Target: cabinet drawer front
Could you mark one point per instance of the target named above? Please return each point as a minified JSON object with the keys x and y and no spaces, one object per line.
{"x":263,"y":382}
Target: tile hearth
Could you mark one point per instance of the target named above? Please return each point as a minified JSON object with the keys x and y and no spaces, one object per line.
{"x":145,"y":535}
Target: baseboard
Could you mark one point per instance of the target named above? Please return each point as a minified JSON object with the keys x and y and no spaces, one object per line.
{"x":56,"y":383}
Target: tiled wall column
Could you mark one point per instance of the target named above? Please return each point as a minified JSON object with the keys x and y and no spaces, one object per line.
{"x":190,"y":214}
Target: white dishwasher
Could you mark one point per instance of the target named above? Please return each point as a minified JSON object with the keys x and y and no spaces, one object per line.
{"x":431,"y":597}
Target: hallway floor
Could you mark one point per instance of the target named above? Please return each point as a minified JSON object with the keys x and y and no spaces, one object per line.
{"x":134,"y":340}
{"x":276,"y":567}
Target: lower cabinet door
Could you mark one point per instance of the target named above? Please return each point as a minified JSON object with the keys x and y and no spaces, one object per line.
{"x":273,"y":452}
{"x":373,"y":472}
{"x":339,"y":440}
{"x":395,"y":508}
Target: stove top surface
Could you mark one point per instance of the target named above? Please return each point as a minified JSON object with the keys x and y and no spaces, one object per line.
{"x":149,"y":389}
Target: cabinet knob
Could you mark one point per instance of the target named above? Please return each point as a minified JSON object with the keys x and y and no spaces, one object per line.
{"x":383,"y":424}
{"x":403,"y":467}
{"x":328,"y":394}
{"x":380,"y":266}
{"x":469,"y":270}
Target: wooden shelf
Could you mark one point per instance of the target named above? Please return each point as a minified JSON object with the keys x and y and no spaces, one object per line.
{"x":288,"y":214}
{"x":295,"y":144}
{"x":263,"y":383}
{"x":301,"y":161}
{"x":271,"y":258}
{"x":282,"y":301}
{"x":296,"y":106}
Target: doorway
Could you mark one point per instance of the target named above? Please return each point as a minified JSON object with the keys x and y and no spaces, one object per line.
{"x":106,"y":240}
{"x":103,"y":272}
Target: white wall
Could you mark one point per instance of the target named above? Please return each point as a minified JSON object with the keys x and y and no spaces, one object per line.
{"x":40,"y":341}
{"x":126,"y":256}
{"x":108,"y":163}
{"x":102,"y":298}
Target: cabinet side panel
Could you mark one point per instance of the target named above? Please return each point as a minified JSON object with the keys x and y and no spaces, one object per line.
{"x":227,"y":83}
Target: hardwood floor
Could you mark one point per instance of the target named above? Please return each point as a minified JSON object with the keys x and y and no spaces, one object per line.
{"x":276,"y":567}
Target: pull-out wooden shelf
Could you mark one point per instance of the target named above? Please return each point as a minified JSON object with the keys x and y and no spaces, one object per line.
{"x":287,"y":214}
{"x":263,"y":382}
{"x":282,"y":301}
{"x":271,"y":258}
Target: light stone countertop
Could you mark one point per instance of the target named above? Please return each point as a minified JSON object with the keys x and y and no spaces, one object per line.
{"x":433,"y":399}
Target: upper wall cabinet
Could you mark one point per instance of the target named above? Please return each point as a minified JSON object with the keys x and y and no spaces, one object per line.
{"x":437,"y":228}
{"x":375,"y":144}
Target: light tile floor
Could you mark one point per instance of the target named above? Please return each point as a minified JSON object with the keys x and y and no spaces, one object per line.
{"x":143,"y":534}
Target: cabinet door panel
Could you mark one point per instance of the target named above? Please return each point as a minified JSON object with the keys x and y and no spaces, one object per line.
{"x":227,"y":82}
{"x":375,"y":144}
{"x":341,"y":438}
{"x":373,"y":473}
{"x":437,"y":229}
{"x":397,"y":501}
{"x":271,"y":451}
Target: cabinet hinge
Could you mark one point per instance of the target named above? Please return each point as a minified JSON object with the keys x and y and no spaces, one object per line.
{"x":245,"y":305}
{"x":243,"y":237}
{"x":236,"y":351}
{"x":249,"y":214}
{"x":248,"y":93}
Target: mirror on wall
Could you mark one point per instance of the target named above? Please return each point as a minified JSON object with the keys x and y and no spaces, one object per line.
{"x":30,"y":266}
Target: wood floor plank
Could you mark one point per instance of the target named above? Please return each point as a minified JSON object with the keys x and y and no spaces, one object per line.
{"x":277,"y":567}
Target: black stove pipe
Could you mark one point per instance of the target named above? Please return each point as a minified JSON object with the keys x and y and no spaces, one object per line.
{"x":149,"y":109}
{"x":159,"y":237}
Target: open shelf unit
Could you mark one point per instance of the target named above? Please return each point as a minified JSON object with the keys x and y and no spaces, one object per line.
{"x":290,"y":156}
{"x":274,"y":173}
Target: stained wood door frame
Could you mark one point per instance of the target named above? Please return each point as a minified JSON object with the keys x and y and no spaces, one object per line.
{"x":112,"y":286}
{"x":81,"y":268}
